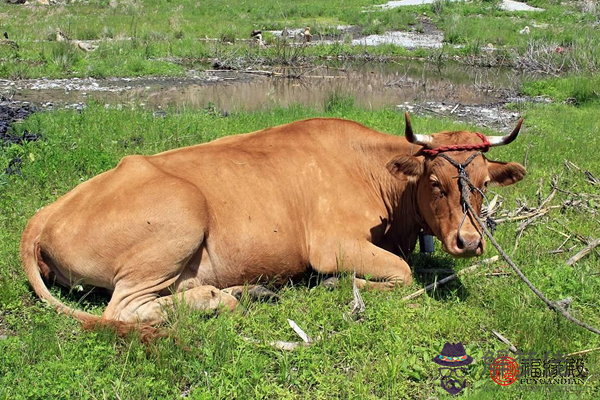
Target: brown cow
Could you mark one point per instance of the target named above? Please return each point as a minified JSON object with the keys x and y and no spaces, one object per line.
{"x":188,"y":224}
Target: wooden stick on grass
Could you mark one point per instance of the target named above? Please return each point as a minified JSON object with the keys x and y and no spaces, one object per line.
{"x":578,"y":353}
{"x":451,"y":277}
{"x":504,"y":340}
{"x":591,"y":246}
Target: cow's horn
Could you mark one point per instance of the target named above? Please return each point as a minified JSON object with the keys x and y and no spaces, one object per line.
{"x":423,"y":140}
{"x":502,"y":140}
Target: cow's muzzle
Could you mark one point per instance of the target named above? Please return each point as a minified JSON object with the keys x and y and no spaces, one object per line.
{"x":464,"y":244}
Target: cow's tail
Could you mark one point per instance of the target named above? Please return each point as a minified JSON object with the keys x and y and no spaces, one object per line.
{"x":31,"y":257}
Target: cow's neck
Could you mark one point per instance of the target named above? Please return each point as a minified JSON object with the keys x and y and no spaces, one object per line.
{"x":405,"y":221}
{"x":399,"y":196}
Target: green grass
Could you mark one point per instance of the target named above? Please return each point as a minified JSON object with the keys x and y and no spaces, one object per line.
{"x":155,"y":37}
{"x":576,"y":89}
{"x":388,"y":355}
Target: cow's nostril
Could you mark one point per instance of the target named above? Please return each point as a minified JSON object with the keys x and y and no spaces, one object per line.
{"x":460,"y":242}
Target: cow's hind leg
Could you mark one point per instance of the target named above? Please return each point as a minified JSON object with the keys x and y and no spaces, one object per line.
{"x":155,"y":309}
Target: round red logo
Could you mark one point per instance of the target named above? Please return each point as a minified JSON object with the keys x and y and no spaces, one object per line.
{"x":504,"y":371}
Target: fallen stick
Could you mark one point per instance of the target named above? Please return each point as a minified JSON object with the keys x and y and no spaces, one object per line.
{"x":357,"y":306}
{"x":591,"y":246}
{"x":451,"y":277}
{"x":280,"y":344}
{"x":504,"y":340}
{"x":578,"y":353}
{"x":261,"y":72}
{"x":287,"y":346}
{"x":299,"y":331}
{"x":529,"y":215}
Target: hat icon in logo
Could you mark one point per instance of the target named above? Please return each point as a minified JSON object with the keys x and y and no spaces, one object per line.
{"x":453,"y":355}
{"x":453,"y":371}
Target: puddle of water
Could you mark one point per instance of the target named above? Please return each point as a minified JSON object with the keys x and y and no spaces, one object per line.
{"x":507,"y":5}
{"x":372,"y":86}
{"x":432,"y":38}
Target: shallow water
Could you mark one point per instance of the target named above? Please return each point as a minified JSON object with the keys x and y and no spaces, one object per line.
{"x":373,"y":85}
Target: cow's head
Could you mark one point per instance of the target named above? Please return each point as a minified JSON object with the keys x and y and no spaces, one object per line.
{"x":435,"y":169}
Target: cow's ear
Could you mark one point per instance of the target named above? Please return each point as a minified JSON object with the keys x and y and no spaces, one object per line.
{"x":504,"y":174}
{"x":405,"y":166}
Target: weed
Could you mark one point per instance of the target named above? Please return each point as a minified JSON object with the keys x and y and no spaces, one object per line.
{"x":338,"y":102}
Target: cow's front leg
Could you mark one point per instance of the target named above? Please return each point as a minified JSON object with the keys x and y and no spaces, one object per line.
{"x":378,"y":268}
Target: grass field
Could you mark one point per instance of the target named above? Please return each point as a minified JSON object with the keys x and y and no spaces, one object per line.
{"x":156,"y":37}
{"x":387,"y":355}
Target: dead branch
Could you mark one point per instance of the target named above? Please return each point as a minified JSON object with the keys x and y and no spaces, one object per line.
{"x":451,"y":277}
{"x":591,"y":246}
{"x":591,"y":178}
{"x":504,"y":340}
{"x":299,"y":331}
{"x":288,"y":346}
{"x":261,"y":72}
{"x":280,"y":344}
{"x":529,"y":214}
{"x":357,"y":307}
{"x":497,"y":274}
{"x":571,"y":165}
{"x":579,"y":353}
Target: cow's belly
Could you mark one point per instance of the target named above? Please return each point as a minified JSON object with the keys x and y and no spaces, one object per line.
{"x":248,"y":260}
{"x":239,"y":259}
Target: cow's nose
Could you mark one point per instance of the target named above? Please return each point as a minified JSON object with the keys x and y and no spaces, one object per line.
{"x":468,"y":242}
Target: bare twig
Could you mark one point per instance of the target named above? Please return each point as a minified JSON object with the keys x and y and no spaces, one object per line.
{"x":280,"y":344}
{"x":357,"y":307}
{"x":558,"y":251}
{"x":299,"y":331}
{"x":579,"y":353}
{"x":529,"y":215}
{"x":497,"y":274}
{"x":451,"y":277}
{"x":570,"y":165}
{"x":504,"y":340}
{"x":591,"y":178}
{"x":591,"y":246}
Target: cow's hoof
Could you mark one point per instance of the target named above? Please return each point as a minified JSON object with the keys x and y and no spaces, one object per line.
{"x":331,"y":283}
{"x":261,"y":293}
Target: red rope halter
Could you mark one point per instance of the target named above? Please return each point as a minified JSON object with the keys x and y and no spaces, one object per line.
{"x":484,"y":146}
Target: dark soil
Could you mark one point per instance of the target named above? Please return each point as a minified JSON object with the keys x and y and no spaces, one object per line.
{"x":11,"y":112}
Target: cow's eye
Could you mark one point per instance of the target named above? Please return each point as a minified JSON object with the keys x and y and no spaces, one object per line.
{"x":437,"y":189}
